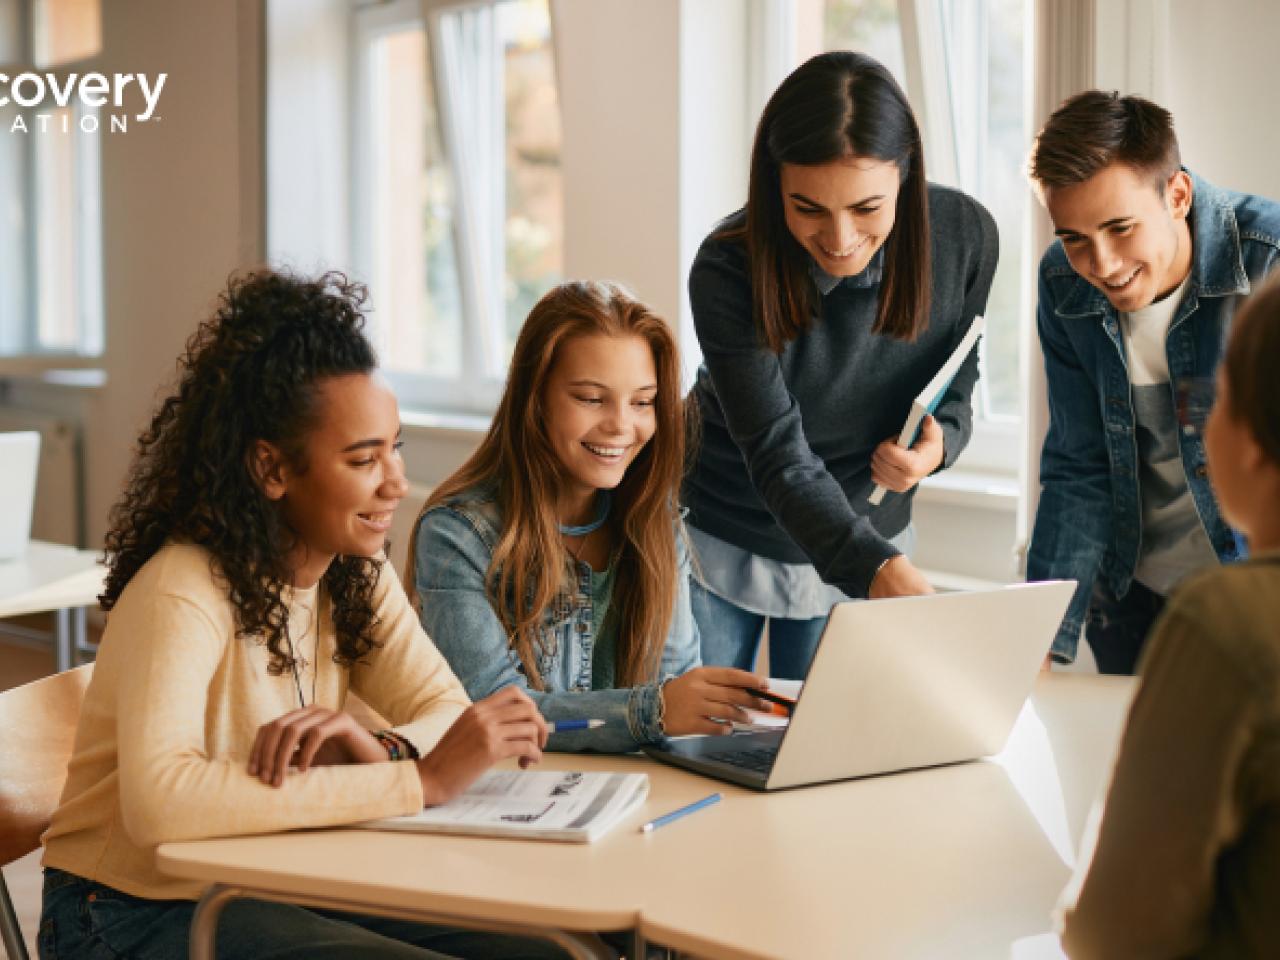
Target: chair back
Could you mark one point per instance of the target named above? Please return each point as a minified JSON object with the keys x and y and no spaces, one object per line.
{"x":37,"y":732}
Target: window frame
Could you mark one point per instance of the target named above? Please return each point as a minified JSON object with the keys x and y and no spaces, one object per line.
{"x":21,"y":241}
{"x":479,"y":214}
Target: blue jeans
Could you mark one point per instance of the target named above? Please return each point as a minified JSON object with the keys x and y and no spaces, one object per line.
{"x":87,"y":920}
{"x":731,"y":636}
{"x":1117,"y":628}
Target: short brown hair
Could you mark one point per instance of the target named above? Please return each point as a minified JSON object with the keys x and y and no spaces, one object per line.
{"x":1253,"y":389}
{"x":1097,"y":128}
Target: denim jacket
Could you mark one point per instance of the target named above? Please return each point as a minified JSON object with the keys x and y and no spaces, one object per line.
{"x":1089,"y":522}
{"x":455,"y":543}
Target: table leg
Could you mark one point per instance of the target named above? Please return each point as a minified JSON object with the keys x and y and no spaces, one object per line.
{"x":62,"y":640}
{"x":204,"y":923}
{"x":80,"y":647}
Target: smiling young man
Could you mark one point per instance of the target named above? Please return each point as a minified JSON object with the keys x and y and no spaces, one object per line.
{"x":1135,"y":298}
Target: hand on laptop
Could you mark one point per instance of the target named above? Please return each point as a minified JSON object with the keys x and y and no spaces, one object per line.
{"x":702,"y":699}
{"x":898,"y":578}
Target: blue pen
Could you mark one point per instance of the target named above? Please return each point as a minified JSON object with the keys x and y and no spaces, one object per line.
{"x":564,"y":726}
{"x":666,"y":818}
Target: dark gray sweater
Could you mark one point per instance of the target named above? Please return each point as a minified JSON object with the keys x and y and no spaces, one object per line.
{"x":783,"y":468}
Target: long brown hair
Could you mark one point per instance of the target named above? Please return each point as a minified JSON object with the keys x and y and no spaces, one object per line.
{"x":835,"y":105}
{"x":516,"y":459}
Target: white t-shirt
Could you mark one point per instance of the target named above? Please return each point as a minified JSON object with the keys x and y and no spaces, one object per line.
{"x":1174,"y":542}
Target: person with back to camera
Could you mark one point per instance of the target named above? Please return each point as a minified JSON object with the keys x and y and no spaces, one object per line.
{"x":822,"y":309}
{"x":248,"y":594}
{"x":1187,"y":860}
{"x":1136,"y":295}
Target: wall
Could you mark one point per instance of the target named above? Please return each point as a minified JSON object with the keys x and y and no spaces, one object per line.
{"x":1219,"y":79}
{"x":181,"y":206}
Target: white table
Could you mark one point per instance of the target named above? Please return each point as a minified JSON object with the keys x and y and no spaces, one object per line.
{"x":57,"y":578}
{"x":958,"y":861}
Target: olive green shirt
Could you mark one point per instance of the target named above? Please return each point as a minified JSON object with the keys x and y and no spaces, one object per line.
{"x":1187,"y":862}
{"x":604,"y":655}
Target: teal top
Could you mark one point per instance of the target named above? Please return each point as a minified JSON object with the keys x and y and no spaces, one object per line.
{"x":604,"y":655}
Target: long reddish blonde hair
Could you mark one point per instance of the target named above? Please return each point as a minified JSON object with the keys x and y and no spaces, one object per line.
{"x":516,"y":459}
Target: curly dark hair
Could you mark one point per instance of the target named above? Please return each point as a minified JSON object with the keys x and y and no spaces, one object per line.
{"x":250,"y":372}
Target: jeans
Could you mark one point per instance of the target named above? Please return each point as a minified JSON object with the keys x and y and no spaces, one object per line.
{"x":83,"y":919}
{"x":1117,"y":628}
{"x":731,"y":636}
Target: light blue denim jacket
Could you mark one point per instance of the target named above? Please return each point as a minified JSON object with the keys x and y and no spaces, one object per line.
{"x":1089,"y":522}
{"x":455,"y":545}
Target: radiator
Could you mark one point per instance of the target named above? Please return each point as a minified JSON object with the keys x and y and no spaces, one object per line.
{"x":58,"y":516}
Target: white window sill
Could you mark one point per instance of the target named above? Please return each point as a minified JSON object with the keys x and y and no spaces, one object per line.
{"x":974,"y":489}
{"x":971,"y":489}
{"x":429,"y":423}
{"x":60,"y":371}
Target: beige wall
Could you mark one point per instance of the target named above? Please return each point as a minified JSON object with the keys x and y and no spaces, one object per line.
{"x":181,"y":206}
{"x":1219,"y":78}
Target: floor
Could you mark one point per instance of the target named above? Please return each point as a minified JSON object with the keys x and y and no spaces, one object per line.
{"x":19,"y":665}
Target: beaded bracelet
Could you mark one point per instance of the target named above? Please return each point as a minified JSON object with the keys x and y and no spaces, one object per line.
{"x":662,"y":705}
{"x":397,"y":747}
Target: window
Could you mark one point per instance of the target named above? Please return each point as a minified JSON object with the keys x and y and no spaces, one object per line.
{"x":458,"y":196}
{"x":50,"y":230}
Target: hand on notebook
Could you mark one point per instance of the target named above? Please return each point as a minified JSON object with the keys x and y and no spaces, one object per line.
{"x":899,"y":469}
{"x":505,"y":724}
{"x":899,"y":578}
{"x":698,"y":699}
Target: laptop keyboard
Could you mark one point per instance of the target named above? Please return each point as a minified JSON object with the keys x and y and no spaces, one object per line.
{"x":759,"y":759}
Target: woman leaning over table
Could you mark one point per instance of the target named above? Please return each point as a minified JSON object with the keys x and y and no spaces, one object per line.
{"x":554,"y":559}
{"x":822,"y":309}
{"x":247,"y":594}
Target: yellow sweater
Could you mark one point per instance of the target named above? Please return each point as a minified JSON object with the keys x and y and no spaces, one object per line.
{"x":175,"y":702}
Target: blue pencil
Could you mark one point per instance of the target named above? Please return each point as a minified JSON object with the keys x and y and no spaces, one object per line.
{"x":666,"y":818}
{"x":564,"y":726}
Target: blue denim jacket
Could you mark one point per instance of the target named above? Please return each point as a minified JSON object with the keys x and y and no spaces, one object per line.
{"x":1089,"y":522}
{"x":455,"y":545}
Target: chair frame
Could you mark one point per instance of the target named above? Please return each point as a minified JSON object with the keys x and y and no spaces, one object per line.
{"x":10,"y":930}
{"x":51,"y":705}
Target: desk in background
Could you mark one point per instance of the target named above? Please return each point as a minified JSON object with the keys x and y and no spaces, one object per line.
{"x":52,"y":578}
{"x":956,"y":861}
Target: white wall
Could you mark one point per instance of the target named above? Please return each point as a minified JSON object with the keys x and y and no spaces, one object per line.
{"x":1220,"y":79}
{"x":619,"y":71}
{"x":181,"y":206}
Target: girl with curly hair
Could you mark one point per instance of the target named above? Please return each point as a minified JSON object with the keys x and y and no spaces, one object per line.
{"x":554,"y":559}
{"x":248,"y":594}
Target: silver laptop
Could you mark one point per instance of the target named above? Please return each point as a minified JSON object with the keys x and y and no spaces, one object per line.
{"x":20,"y":455}
{"x":897,"y":685}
